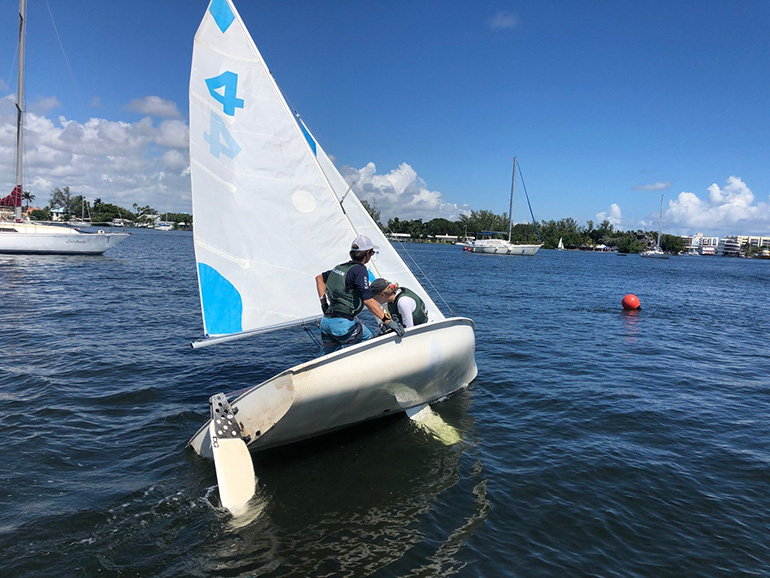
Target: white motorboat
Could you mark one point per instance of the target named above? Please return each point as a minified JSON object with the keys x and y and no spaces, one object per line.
{"x":29,"y":237}
{"x":271,"y":212}
{"x":502,"y":246}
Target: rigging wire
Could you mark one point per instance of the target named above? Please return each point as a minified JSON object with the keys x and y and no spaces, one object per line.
{"x":534,"y":222}
{"x":350,"y":189}
{"x":424,"y":275}
{"x":86,"y":126}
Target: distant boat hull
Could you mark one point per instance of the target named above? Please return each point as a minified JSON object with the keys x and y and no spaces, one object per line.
{"x":500,"y":247}
{"x":380,"y":377}
{"x":26,"y":238}
{"x":654,"y":254}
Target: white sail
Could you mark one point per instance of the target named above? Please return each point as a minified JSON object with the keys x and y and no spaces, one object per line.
{"x":267,"y":218}
{"x":271,"y":212}
{"x":387,"y":263}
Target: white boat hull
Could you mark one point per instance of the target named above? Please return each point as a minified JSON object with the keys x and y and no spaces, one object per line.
{"x":506,"y":249}
{"x":49,"y":239}
{"x":373,"y":379}
{"x":654,"y":254}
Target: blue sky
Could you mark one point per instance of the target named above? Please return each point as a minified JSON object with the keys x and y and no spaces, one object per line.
{"x":607,"y":105}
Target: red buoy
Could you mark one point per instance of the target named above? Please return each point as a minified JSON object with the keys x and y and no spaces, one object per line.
{"x":631,"y":302}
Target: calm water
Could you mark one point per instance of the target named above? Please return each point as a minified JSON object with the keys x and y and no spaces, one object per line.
{"x":594,"y":443}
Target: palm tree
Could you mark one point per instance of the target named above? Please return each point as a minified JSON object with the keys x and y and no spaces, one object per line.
{"x":28,"y":197}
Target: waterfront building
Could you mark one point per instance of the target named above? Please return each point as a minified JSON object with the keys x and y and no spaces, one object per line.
{"x":729,"y":246}
{"x":758,"y":241}
{"x":698,"y":244}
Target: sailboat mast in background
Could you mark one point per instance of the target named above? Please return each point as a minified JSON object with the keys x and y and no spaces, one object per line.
{"x":510,"y":209}
{"x":16,"y":195}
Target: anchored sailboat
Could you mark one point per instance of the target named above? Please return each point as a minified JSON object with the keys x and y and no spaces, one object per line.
{"x":501,"y":246}
{"x":30,"y":237}
{"x":657,"y":252}
{"x":271,"y":212}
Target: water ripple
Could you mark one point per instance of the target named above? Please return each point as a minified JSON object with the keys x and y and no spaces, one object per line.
{"x":594,"y":443}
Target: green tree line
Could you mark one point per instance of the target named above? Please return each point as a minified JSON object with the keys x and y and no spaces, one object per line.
{"x":474,"y":224}
{"x":76,"y":206}
{"x":573,"y":235}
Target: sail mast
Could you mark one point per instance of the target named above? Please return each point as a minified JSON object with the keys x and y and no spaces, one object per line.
{"x":20,"y":107}
{"x":660,"y":220}
{"x":510,"y":209}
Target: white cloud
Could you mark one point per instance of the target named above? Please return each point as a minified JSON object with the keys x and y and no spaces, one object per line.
{"x":154,"y":106}
{"x":401,"y":193}
{"x":504,"y":20}
{"x":120,"y":162}
{"x":174,"y":160}
{"x":613,"y":215}
{"x":659,"y":186}
{"x":173,"y":134}
{"x":43,"y":105}
{"x":728,"y":210}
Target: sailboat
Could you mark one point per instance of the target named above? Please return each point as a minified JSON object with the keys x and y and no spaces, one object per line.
{"x":17,"y":236}
{"x":501,"y":246}
{"x":83,"y":221}
{"x":271,"y":211}
{"x":560,"y":246}
{"x":656,"y":252}
{"x":164,"y":225}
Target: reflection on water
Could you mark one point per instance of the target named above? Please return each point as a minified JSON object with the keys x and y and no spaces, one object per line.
{"x":356,"y":502}
{"x":630,"y":325}
{"x":351,"y":503}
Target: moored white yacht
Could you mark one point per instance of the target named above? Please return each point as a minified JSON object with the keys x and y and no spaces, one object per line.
{"x":502,"y":246}
{"x":29,"y":237}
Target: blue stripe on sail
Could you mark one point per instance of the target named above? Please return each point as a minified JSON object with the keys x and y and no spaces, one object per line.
{"x":371,"y":277}
{"x":222,"y":304}
{"x":308,"y":138}
{"x":222,"y":14}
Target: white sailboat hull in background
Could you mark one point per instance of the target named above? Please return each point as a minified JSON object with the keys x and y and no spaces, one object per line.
{"x":376,"y":378}
{"x":657,"y":252}
{"x":500,"y":247}
{"x":49,"y":239}
{"x":654,"y":254}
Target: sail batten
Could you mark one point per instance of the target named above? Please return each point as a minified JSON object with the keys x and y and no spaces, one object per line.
{"x":266,"y":196}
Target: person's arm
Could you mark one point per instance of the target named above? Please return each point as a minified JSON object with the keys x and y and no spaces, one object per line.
{"x":320,"y":285}
{"x":406,"y":307}
{"x":374,"y":307}
{"x":385,"y":318}
{"x":359,"y":277}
